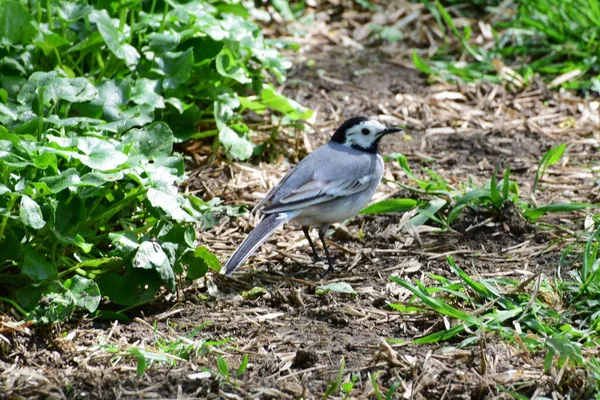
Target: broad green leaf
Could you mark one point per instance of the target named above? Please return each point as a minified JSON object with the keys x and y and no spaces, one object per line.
{"x":71,"y":11}
{"x":237,"y":146}
{"x":199,"y":261}
{"x":114,"y":39}
{"x":391,"y":205}
{"x":31,"y":213}
{"x":175,"y":68}
{"x":99,"y":154}
{"x":228,"y":67}
{"x":15,"y":23}
{"x":565,"y":349}
{"x":169,"y":202}
{"x":151,"y":256}
{"x":162,"y":42}
{"x":56,"y":86}
{"x":135,"y":287}
{"x":56,"y":184}
{"x":337,"y":287}
{"x":288,"y":107}
{"x":85,"y":292}
{"x":37,"y":267}
{"x":146,"y":91}
{"x":153,"y":141}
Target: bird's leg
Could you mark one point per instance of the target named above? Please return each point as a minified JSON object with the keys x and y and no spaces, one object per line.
{"x":305,"y":229}
{"x":322,"y":232}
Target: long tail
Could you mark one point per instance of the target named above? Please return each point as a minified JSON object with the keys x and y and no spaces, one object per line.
{"x":263,"y":230}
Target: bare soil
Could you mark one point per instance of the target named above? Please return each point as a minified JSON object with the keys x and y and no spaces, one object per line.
{"x":295,"y":338}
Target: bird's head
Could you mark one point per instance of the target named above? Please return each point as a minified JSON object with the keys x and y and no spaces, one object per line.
{"x":362,"y":134}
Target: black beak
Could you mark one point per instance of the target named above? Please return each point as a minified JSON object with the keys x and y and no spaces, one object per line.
{"x":387,"y":131}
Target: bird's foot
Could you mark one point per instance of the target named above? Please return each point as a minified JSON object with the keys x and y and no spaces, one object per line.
{"x":329,"y":270}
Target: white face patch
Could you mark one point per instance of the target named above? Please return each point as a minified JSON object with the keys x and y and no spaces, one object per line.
{"x":364,"y":134}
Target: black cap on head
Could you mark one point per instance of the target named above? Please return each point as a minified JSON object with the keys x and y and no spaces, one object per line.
{"x":340,"y":134}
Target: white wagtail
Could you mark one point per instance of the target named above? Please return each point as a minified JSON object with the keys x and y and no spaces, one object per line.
{"x":330,"y":185}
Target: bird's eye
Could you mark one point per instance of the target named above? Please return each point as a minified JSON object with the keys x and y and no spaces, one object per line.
{"x":365,"y":131}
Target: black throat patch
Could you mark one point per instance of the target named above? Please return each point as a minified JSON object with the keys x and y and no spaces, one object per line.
{"x":373,"y":148}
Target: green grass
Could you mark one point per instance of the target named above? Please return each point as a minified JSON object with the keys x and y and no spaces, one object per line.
{"x":564,"y":330}
{"x":546,"y":37}
{"x":443,"y":203}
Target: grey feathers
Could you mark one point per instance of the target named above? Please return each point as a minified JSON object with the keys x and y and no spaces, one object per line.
{"x":317,"y":179}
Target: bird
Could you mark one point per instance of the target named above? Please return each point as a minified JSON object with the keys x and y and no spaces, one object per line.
{"x":330,"y":185}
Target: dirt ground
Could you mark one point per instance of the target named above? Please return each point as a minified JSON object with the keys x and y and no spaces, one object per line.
{"x":295,"y":338}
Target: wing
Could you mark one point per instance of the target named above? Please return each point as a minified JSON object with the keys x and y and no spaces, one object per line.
{"x":331,"y":171}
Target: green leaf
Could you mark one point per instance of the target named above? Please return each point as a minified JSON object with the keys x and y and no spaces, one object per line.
{"x":337,"y":287}
{"x":56,"y":87}
{"x":243,"y":366}
{"x":56,"y":184}
{"x":135,"y":287}
{"x":151,"y":256}
{"x":31,"y":213}
{"x":175,"y":68}
{"x":437,"y":304}
{"x":15,"y":23}
{"x":495,"y":196}
{"x":391,"y":34}
{"x":390,"y":205}
{"x":85,"y":292}
{"x":37,"y":267}
{"x":434,"y":206}
{"x":99,"y":154}
{"x":506,"y":183}
{"x":199,"y":261}
{"x":420,"y":64}
{"x":549,"y":158}
{"x":335,"y":385}
{"x":223,"y":367}
{"x":237,"y":146}
{"x":228,"y":67}
{"x":145,"y":91}
{"x":288,"y":107}
{"x":255,"y":292}
{"x":114,"y":39}
{"x":70,"y":12}
{"x":566,"y":349}
{"x":153,"y":141}
{"x":534,"y":213}
{"x":168,"y":200}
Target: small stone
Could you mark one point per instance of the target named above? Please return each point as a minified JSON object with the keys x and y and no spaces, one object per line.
{"x":305,"y":359}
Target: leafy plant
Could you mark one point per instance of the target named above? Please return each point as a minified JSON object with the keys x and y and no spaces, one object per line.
{"x":92,"y":98}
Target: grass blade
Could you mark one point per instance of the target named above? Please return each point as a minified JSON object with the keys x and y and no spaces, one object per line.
{"x":390,"y":205}
{"x":549,"y":158}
